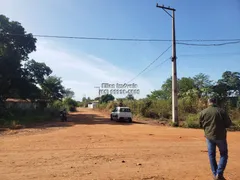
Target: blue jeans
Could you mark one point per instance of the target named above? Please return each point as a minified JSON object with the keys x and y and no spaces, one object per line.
{"x":223,"y":149}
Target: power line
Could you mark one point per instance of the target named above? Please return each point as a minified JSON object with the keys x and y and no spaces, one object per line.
{"x":130,"y":39}
{"x":160,"y":64}
{"x":219,"y":44}
{"x":150,"y":64}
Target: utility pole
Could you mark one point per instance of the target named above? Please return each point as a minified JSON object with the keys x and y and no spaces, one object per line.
{"x":174,"y":66}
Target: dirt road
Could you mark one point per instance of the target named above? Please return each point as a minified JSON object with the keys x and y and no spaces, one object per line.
{"x":93,"y":147}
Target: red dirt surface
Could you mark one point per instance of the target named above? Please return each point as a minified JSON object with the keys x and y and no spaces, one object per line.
{"x":93,"y":147}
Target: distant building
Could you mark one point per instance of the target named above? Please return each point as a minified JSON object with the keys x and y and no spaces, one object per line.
{"x":93,"y":104}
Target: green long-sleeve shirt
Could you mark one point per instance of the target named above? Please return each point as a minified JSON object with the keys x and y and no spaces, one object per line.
{"x":214,"y":121}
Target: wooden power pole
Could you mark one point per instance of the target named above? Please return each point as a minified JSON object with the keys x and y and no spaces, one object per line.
{"x":174,"y":67}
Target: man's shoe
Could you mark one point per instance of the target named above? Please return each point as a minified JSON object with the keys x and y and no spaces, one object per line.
{"x":219,"y":177}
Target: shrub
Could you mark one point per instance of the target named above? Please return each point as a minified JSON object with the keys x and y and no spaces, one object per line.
{"x":111,"y":105}
{"x":234,"y":114}
{"x":191,"y":121}
{"x":72,"y":109}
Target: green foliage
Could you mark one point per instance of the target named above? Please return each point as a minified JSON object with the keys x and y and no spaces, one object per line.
{"x":130,"y":97}
{"x":13,"y":51}
{"x":36,"y":72}
{"x":238,"y":103}
{"x":202,"y":84}
{"x":19,"y":76}
{"x":185,"y":84}
{"x":173,"y":124}
{"x":71,"y":104}
{"x":158,"y":94}
{"x":167,"y":88}
{"x":192,"y":121}
{"x":106,"y":98}
{"x":68,"y":93}
{"x":52,"y":88}
{"x":57,"y":105}
{"x":27,"y":117}
{"x":193,"y":95}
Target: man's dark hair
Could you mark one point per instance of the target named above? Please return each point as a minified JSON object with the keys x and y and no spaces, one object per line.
{"x":212,"y":100}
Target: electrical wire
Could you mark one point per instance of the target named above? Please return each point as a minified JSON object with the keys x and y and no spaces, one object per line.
{"x":219,"y":44}
{"x":135,"y":39}
{"x":159,"y":64}
{"x":150,"y":64}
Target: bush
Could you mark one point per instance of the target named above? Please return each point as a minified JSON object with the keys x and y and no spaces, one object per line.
{"x":173,"y":124}
{"x":161,"y":109}
{"x":19,"y":117}
{"x":234,"y":114}
{"x":72,"y":109}
{"x":191,"y":121}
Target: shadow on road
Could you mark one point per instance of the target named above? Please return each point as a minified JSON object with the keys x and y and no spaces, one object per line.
{"x":90,"y":119}
{"x":83,"y":116}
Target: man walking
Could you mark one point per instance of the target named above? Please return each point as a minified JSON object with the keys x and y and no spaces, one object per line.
{"x":214,"y":121}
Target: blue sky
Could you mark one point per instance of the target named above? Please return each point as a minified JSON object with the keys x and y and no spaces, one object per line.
{"x":83,"y":64}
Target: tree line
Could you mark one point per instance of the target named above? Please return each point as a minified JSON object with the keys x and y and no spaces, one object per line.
{"x":21,"y":77}
{"x":200,"y":86}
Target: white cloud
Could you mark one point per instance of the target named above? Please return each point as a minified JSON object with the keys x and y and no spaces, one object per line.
{"x":81,"y":72}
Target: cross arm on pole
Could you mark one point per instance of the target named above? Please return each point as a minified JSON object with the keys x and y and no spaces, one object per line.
{"x":168,"y":8}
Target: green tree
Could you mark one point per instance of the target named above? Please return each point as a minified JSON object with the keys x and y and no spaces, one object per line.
{"x":130,"y":97}
{"x":14,"y":49}
{"x":97,"y":98}
{"x":84,"y":99}
{"x":68,"y":93}
{"x":52,"y":88}
{"x":185,"y":84}
{"x":70,"y":103}
{"x":106,"y":98}
{"x":158,"y":94}
{"x":167,"y":88}
{"x":232,"y":81}
{"x":203,"y":85}
{"x":36,"y":72}
{"x":228,"y":86}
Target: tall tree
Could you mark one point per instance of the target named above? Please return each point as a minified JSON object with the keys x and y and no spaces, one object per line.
{"x":68,"y":93}
{"x":158,"y":94}
{"x":52,"y":88}
{"x":15,"y":45}
{"x":232,"y":81}
{"x":185,"y":84}
{"x":106,"y":98}
{"x":203,"y":84}
{"x":130,"y":97}
{"x":36,"y":72}
{"x":228,"y":86}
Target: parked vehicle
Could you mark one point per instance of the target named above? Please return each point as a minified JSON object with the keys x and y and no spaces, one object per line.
{"x":121,"y":113}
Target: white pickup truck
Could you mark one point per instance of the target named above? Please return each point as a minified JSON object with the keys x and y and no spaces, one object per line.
{"x":121,"y":113}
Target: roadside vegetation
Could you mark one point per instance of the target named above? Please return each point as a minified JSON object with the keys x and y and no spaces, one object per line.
{"x":29,"y":93}
{"x":192,"y":98}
